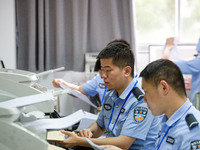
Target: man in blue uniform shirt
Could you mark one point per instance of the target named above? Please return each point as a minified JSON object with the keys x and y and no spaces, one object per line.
{"x":93,"y":87}
{"x":187,"y":67}
{"x":163,"y":84}
{"x":125,"y":119}
{"x":96,"y":85}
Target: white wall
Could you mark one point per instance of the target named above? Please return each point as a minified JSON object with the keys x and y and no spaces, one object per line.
{"x":7,"y":33}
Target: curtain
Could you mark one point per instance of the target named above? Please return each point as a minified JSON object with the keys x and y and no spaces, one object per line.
{"x":56,"y":33}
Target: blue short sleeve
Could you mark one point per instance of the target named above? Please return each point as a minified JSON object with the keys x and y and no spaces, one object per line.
{"x":189,"y":67}
{"x":90,"y":86}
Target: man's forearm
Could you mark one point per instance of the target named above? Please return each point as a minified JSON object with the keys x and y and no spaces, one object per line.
{"x":123,"y":142}
{"x":166,"y":53}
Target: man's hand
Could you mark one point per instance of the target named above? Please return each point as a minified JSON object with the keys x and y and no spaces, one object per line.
{"x":170,"y":42}
{"x":72,"y":140}
{"x":56,"y":82}
{"x":98,"y":109}
{"x":85,"y":133}
{"x":168,"y":48}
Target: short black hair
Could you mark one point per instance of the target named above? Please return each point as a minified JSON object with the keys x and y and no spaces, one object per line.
{"x":118,"y":41}
{"x":163,"y":69}
{"x":97,"y":66}
{"x":120,"y":53}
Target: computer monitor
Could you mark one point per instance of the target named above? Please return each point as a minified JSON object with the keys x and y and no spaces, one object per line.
{"x":183,"y":51}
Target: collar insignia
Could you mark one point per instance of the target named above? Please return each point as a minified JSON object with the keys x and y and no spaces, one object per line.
{"x":107,"y":107}
{"x":101,"y":85}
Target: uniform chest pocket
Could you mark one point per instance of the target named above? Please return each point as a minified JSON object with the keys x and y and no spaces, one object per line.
{"x":119,"y":124}
{"x":122,"y":118}
{"x":107,"y":111}
{"x":107,"y":114}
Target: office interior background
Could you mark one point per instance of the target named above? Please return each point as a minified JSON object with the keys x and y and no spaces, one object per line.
{"x":38,"y":35}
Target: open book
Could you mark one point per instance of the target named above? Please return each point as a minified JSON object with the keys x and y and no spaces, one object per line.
{"x":58,"y":136}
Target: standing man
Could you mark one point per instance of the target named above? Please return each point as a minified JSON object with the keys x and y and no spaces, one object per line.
{"x":187,"y":67}
{"x":124,"y":118}
{"x":163,"y":84}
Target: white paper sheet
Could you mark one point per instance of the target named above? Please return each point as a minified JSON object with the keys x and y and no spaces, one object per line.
{"x":63,"y":86}
{"x":79,"y":95}
{"x":27,"y":100}
{"x":58,"y":123}
{"x":86,"y":121}
{"x":82,"y":97}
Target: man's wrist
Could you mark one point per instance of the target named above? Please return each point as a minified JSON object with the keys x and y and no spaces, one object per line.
{"x":83,"y":142}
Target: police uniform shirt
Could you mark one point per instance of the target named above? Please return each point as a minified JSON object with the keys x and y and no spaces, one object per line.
{"x":191,"y":67}
{"x":135,"y":119}
{"x":180,"y":135}
{"x":94,"y":86}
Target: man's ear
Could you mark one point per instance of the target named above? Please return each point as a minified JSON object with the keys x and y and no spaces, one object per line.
{"x":165,"y":87}
{"x":127,"y":70}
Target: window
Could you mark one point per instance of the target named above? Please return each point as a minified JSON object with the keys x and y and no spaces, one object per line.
{"x":190,"y":20}
{"x":158,"y":19}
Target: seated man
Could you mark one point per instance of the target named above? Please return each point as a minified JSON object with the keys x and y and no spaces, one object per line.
{"x":93,"y":87}
{"x":163,"y":84}
{"x":126,"y":120}
{"x":165,"y":93}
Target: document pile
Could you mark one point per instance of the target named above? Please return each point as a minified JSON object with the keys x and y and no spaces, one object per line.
{"x":85,"y":118}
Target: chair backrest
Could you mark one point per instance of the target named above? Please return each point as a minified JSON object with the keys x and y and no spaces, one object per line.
{"x":197,"y":100}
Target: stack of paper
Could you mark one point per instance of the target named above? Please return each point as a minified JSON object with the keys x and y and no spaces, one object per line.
{"x":61,"y":123}
{"x":27,"y":100}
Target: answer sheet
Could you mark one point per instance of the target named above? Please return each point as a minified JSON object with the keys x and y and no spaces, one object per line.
{"x":79,"y":95}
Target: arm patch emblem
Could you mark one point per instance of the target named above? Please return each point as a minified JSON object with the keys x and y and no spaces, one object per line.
{"x":140,"y":114}
{"x":195,"y":145}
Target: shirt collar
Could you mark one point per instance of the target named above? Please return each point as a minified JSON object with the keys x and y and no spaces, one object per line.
{"x":125,"y":92}
{"x":178,"y":114}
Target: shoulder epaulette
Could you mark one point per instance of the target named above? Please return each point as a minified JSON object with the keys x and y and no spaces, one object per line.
{"x":191,"y":121}
{"x":138,"y":93}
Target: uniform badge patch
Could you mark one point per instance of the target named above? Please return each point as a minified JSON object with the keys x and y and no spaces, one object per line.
{"x":195,"y":145}
{"x":101,"y":85}
{"x":107,"y":106}
{"x":140,"y":114}
{"x":159,"y":134}
{"x":170,"y":140}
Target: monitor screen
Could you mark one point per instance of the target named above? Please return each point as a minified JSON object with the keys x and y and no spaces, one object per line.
{"x":183,"y":51}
